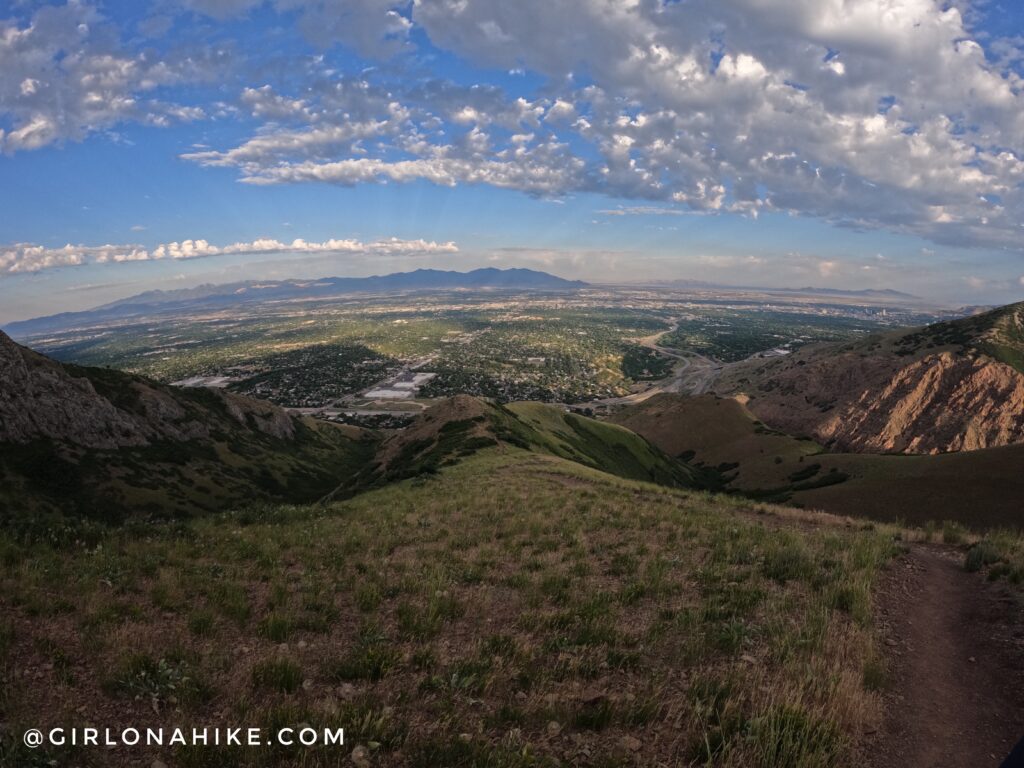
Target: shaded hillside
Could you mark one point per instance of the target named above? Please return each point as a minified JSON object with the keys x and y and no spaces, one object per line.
{"x":460,"y":426}
{"x":101,"y":444}
{"x":952,"y":386}
{"x":980,"y":488}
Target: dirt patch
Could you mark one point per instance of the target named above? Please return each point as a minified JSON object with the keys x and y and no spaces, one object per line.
{"x":955,"y":647}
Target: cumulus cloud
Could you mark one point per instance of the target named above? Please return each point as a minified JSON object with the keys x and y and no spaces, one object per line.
{"x":865,"y":113}
{"x":22,"y":258}
{"x":25,"y":257}
{"x":64,"y":74}
{"x":869,"y":114}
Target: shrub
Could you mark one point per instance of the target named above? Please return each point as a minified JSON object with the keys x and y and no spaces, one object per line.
{"x":980,"y":555}
{"x":788,"y":563}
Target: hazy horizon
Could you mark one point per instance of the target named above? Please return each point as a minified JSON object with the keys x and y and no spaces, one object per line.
{"x":171,"y":143}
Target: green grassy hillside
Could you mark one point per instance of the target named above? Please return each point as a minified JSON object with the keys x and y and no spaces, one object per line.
{"x":459,"y":427}
{"x":514,"y":609}
{"x":601,"y":445}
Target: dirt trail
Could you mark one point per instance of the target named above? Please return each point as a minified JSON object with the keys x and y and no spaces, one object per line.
{"x":956,"y":647}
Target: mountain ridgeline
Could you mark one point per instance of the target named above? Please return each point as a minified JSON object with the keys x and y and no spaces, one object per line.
{"x":105,"y":445}
{"x":951,"y":386}
{"x":94,"y":443}
{"x":212,"y":297}
{"x":462,"y":425}
{"x":810,"y":429}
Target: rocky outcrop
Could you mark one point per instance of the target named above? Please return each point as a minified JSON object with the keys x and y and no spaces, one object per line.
{"x":40,"y":398}
{"x":887,"y":404}
{"x":957,"y":385}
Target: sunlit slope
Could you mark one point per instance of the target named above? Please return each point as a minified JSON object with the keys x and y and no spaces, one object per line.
{"x":461,"y":426}
{"x":951,"y":386}
{"x":978,"y":488}
{"x":601,"y":445}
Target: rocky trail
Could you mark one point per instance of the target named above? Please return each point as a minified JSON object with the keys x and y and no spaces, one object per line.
{"x":955,"y":643}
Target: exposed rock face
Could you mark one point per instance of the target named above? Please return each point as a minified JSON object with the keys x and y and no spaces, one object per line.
{"x":936,"y":403}
{"x":40,"y":398}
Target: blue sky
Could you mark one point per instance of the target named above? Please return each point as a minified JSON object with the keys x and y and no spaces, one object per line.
{"x":166,"y":143}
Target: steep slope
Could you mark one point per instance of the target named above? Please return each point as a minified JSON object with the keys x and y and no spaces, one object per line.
{"x":103,"y":444}
{"x":980,"y":489}
{"x":952,"y":386}
{"x":461,"y":426}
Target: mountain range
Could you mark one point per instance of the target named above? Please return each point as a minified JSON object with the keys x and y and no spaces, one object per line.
{"x":210,"y":297}
{"x":810,"y":428}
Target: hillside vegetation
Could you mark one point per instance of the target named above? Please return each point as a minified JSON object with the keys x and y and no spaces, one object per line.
{"x":980,"y":489}
{"x":90,"y":444}
{"x":494,"y":587}
{"x":460,"y":426}
{"x":952,"y":386}
{"x":513,"y":609}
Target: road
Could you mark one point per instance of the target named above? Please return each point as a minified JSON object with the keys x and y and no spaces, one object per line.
{"x":693,"y":374}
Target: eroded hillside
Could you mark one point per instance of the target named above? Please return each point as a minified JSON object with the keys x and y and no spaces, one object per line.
{"x":952,"y":386}
{"x":100,"y":444}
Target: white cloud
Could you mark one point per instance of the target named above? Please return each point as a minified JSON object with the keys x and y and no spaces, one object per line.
{"x":22,"y":258}
{"x":865,"y":113}
{"x":64,"y":74}
{"x":25,"y":257}
{"x":871,"y":114}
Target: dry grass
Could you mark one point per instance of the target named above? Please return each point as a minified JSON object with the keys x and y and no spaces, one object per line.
{"x":513,"y":610}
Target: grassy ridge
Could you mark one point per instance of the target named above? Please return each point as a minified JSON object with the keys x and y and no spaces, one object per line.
{"x":601,"y":445}
{"x":514,"y":609}
{"x":461,"y":426}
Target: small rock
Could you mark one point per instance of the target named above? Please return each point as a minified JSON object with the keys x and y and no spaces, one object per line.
{"x":631,"y":743}
{"x":592,"y":696}
{"x":890,"y":642}
{"x":748,"y":659}
{"x":347,"y":691}
{"x":465,"y":737}
{"x":307,"y":684}
{"x":554,"y":728}
{"x":302,"y":643}
{"x":972,"y":660}
{"x":361,"y":757}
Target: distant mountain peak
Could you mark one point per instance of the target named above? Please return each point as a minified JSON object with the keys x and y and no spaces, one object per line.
{"x":210,"y":296}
